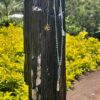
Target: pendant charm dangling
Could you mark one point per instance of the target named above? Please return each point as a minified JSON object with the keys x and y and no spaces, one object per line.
{"x":63,"y":32}
{"x":47,"y":28}
{"x":58,"y":86}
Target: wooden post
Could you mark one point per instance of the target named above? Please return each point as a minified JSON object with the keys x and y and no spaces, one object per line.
{"x":27,"y":46}
{"x":41,"y":64}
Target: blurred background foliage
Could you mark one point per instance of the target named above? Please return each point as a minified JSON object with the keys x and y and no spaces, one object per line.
{"x":82,"y":56}
{"x":84,"y":14}
{"x":8,"y":7}
{"x":12,"y":86}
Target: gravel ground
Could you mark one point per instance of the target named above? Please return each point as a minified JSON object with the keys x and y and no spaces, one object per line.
{"x":87,"y":88}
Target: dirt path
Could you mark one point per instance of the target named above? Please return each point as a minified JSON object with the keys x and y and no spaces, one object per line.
{"x":88,"y":88}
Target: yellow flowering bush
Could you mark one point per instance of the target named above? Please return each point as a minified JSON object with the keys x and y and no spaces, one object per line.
{"x":82,"y":55}
{"x":12,"y":86}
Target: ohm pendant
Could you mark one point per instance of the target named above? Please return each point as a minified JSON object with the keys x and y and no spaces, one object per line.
{"x":47,"y":27}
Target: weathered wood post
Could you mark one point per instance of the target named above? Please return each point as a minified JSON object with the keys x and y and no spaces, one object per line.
{"x":27,"y":45}
{"x":44,"y":43}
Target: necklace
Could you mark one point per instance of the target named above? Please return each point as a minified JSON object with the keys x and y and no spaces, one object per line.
{"x":47,"y":27}
{"x":59,"y":56}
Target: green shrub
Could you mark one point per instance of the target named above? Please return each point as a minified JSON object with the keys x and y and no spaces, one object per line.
{"x":72,"y":26}
{"x":12,"y":86}
{"x":82,"y":55}
{"x":5,"y":21}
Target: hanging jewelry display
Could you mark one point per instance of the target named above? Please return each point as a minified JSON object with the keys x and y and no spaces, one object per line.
{"x":59,"y":56}
{"x":47,"y":27}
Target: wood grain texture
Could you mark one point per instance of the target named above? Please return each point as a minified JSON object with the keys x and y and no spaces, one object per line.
{"x":39,"y":42}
